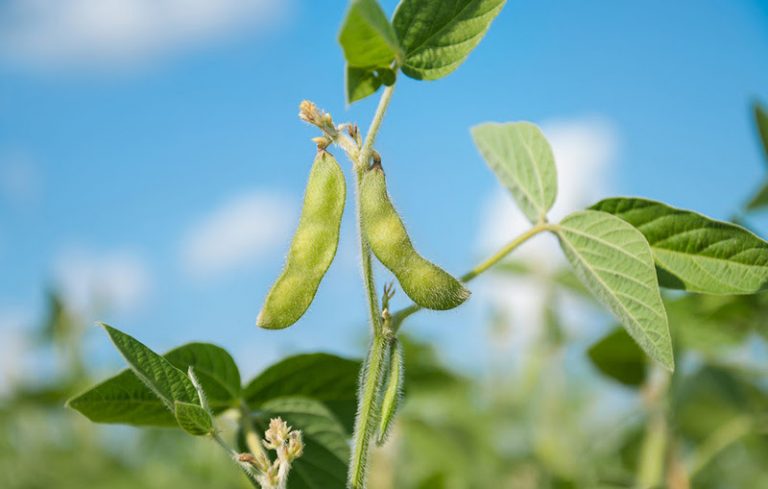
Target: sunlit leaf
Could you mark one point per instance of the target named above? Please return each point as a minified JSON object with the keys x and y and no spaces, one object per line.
{"x":437,"y":35}
{"x":614,"y":261}
{"x":520,"y":156}
{"x":370,"y":44}
{"x":694,"y":252}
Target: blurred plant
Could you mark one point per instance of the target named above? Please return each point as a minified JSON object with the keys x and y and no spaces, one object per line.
{"x":620,"y":251}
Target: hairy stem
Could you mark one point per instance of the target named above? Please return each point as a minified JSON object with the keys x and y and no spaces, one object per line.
{"x":401,"y":315}
{"x":373,"y":130}
{"x":365,"y":423}
{"x":235,"y":457}
{"x":370,"y":377}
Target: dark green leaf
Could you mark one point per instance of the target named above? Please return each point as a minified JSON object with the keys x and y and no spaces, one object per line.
{"x":699,"y":254}
{"x":214,"y":368}
{"x":163,"y":379}
{"x":761,"y":120}
{"x":437,"y":35}
{"x":760,"y":199}
{"x":326,"y":446}
{"x":326,"y":378}
{"x":193,"y":419}
{"x":617,"y":356}
{"x":125,"y":399}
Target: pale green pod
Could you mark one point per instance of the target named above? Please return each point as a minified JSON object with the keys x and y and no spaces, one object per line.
{"x":313,"y":247}
{"x":393,"y":393}
{"x":424,"y":282}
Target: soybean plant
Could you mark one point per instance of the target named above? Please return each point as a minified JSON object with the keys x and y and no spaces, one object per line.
{"x":621,"y":249}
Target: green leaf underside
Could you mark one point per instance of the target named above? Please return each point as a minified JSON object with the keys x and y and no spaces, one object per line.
{"x":323,"y":464}
{"x":520,"y":156}
{"x":166,"y":381}
{"x":436,"y":36}
{"x":124,"y":399}
{"x":614,"y":261}
{"x":761,"y":120}
{"x":699,"y":254}
{"x":617,"y":356}
{"x":367,"y":37}
{"x":193,"y":419}
{"x":327,"y":378}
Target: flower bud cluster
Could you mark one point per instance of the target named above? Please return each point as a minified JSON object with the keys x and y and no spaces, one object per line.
{"x":288,"y":446}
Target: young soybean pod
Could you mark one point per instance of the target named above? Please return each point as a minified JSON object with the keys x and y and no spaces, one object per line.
{"x":424,"y":282}
{"x":393,"y":391}
{"x":313,"y":247}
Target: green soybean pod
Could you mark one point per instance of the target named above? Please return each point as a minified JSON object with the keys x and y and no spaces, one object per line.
{"x":393,"y":391}
{"x":424,"y":282}
{"x":312,"y":248}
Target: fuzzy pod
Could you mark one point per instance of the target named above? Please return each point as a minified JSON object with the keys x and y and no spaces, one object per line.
{"x":313,"y":246}
{"x":424,"y":282}
{"x":393,"y":391}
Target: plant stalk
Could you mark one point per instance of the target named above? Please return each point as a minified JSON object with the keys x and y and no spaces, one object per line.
{"x":401,"y":315}
{"x":371,"y":374}
{"x":365,"y":424}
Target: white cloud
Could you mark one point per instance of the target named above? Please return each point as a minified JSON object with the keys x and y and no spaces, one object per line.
{"x":91,"y":281}
{"x":107,"y":33}
{"x":584,"y":152}
{"x":242,"y":231}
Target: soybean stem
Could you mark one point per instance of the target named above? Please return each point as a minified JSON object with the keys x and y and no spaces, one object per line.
{"x":365,"y":423}
{"x":401,"y":315}
{"x":373,"y":130}
{"x":370,"y":377}
{"x":234,"y":456}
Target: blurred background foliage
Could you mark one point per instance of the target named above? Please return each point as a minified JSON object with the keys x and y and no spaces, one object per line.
{"x":563,"y":415}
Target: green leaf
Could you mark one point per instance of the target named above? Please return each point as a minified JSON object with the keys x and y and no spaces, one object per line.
{"x":125,"y":399}
{"x":761,"y":120}
{"x":361,"y":82}
{"x":214,"y":368}
{"x":193,"y":418}
{"x":697,"y":253}
{"x":370,"y":44}
{"x":520,"y":156}
{"x":326,"y":378}
{"x":323,"y":465}
{"x":614,"y":261}
{"x":760,"y":199}
{"x":618,"y":357}
{"x":437,"y":35}
{"x":163,"y":379}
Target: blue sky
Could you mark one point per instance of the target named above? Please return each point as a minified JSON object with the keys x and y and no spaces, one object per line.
{"x":123,"y":151}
